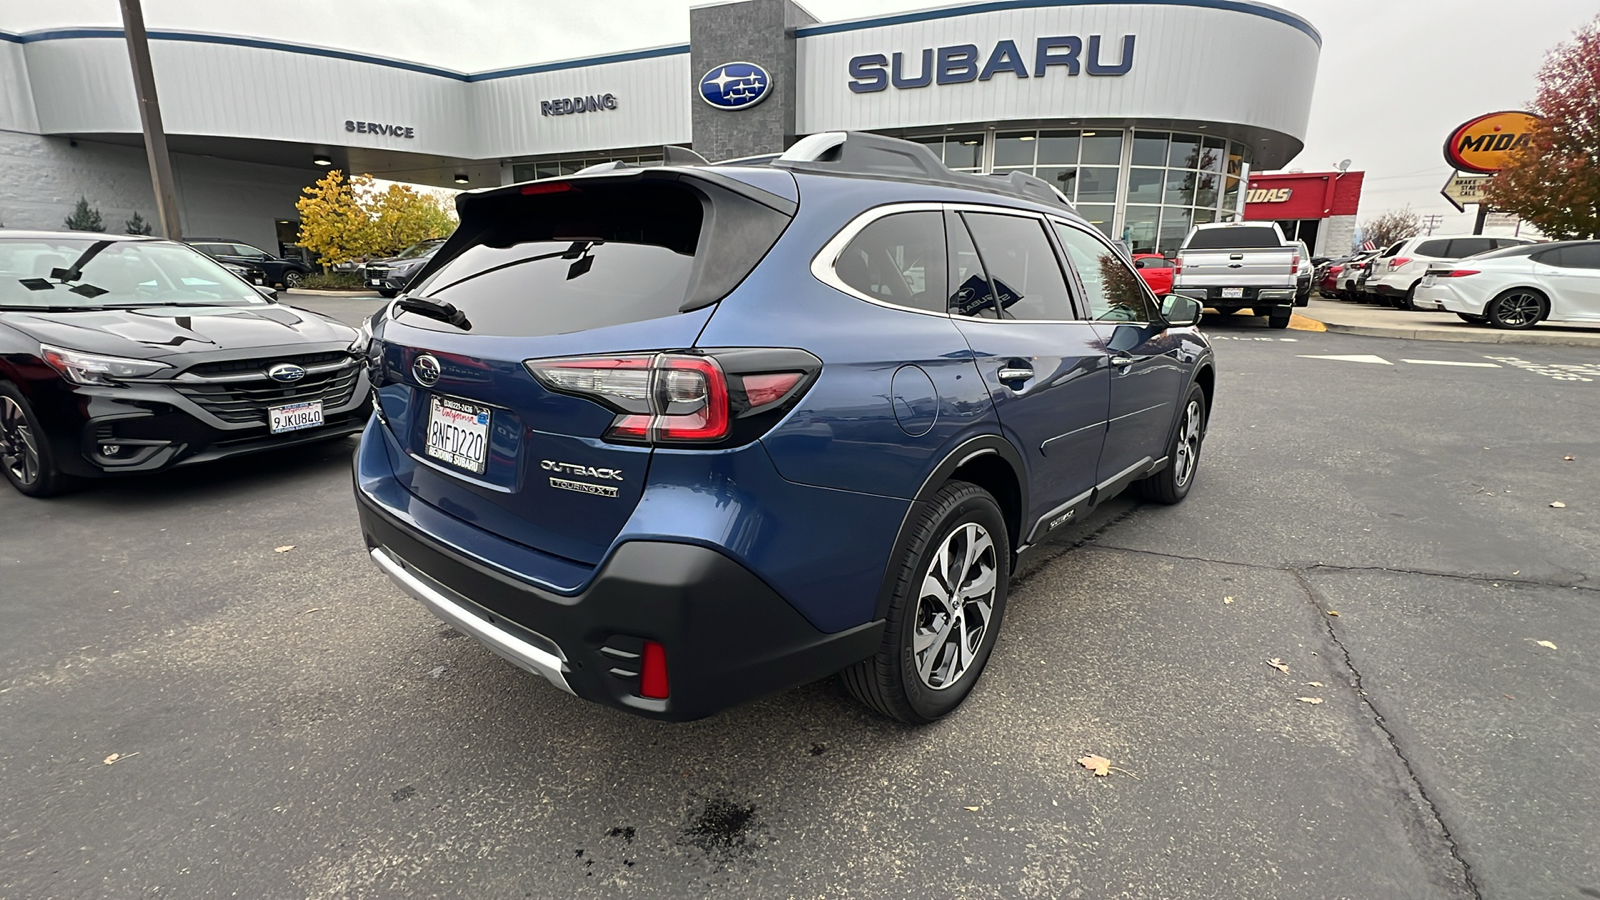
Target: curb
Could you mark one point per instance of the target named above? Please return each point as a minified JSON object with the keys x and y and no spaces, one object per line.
{"x":352,"y":295}
{"x":1469,"y":337}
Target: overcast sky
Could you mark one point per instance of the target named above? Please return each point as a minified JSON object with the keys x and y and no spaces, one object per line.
{"x":1395,"y":75}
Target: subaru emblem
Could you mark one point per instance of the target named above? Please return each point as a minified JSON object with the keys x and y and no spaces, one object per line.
{"x":735,"y":85}
{"x":288,"y":373}
{"x":426,"y":369}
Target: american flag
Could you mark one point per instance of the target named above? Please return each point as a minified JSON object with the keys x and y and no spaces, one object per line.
{"x":1368,"y":245}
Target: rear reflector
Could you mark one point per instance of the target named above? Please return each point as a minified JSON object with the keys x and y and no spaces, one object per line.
{"x":762,"y":390}
{"x":653,"y":672}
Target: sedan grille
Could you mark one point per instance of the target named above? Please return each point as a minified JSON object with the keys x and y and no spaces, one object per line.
{"x":245,"y":402}
{"x":259,"y":366}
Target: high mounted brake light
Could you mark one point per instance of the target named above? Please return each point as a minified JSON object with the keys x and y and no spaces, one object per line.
{"x":547,"y":187}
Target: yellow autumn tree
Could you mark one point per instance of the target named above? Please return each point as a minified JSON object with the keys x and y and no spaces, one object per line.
{"x":333,"y":222}
{"x":400,"y":216}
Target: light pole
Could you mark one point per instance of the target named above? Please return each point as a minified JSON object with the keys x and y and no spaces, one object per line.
{"x":155,"y":138}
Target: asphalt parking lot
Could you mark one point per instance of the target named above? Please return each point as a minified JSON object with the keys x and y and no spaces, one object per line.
{"x":1375,"y":515}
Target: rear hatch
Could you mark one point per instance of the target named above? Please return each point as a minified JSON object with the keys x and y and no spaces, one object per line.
{"x":515,"y":416}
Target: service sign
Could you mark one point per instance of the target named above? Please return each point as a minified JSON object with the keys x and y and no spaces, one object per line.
{"x":1483,"y":145}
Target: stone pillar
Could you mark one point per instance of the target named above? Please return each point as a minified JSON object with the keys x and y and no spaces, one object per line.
{"x":756,"y":31}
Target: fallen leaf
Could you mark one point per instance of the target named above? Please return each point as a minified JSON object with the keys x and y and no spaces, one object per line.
{"x":1558,"y":505}
{"x":118,"y":757}
{"x":1099,"y":765}
{"x":1227,"y":599}
{"x":284,"y":549}
{"x":1278,"y":664}
{"x":1546,"y":644}
{"x":1332,"y":613}
{"x":314,"y":609}
{"x":1314,"y":683}
{"x":1311,"y":700}
{"x":971,"y":808}
{"x":1567,"y":458}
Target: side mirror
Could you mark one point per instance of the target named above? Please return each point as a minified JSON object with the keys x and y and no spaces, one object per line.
{"x":267,"y":291}
{"x":1180,"y":311}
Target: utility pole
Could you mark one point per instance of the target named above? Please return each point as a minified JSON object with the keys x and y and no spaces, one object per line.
{"x":155,"y":138}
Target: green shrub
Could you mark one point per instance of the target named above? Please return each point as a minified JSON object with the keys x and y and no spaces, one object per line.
{"x":333,"y":281}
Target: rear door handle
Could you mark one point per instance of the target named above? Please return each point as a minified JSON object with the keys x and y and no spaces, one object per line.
{"x":1014,"y":372}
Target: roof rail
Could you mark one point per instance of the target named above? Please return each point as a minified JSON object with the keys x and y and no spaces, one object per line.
{"x":862,"y":153}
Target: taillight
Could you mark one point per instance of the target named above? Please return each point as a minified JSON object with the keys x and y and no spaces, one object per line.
{"x":1399,"y":261}
{"x":1456,"y":273}
{"x":1294,"y":264}
{"x":669,"y":397}
{"x":1334,"y":270}
{"x":1177,"y":265}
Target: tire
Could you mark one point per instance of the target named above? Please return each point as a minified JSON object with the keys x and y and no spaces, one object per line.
{"x":962,"y":524}
{"x":1279,"y":321}
{"x":1517,"y":309}
{"x":292,"y":279}
{"x":1476,"y":320}
{"x":1409,"y":301}
{"x":26,"y":456}
{"x":1171,"y":485}
{"x":387,"y":294}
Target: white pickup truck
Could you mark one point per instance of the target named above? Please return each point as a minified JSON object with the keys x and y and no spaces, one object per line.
{"x":1230,"y":266}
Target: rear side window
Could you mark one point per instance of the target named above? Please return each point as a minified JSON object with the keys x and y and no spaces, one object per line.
{"x":596,"y":254}
{"x":1438,"y":249}
{"x":1464,"y":247}
{"x":1572,"y":256}
{"x":1242,"y":237}
{"x":898,"y":259}
{"x":1113,"y":292}
{"x":969,"y":286}
{"x":1023,"y":269}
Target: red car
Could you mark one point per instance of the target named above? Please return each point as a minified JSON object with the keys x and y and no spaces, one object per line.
{"x":1156,"y":270}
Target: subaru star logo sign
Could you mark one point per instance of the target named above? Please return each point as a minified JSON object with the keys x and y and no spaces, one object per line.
{"x":426,"y":368}
{"x":288,"y":373}
{"x":735,"y":85}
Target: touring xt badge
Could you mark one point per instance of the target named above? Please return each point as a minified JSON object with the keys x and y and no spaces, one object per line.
{"x":581,"y":487}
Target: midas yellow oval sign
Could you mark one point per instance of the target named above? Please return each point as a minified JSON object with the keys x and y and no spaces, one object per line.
{"x":1483,"y":144}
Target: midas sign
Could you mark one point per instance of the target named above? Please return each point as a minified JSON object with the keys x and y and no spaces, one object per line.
{"x":1485,"y":143}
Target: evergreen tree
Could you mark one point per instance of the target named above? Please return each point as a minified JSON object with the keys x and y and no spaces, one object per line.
{"x":137,"y":224}
{"x":85,"y":217}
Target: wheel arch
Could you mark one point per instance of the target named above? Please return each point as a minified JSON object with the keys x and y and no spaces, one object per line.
{"x":988,"y":461}
{"x":1543,"y":293}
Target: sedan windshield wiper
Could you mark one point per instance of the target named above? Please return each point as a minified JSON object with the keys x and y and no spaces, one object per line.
{"x":442,"y":310}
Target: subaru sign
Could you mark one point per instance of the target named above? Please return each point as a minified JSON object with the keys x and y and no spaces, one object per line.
{"x":962,"y":63}
{"x":735,"y":85}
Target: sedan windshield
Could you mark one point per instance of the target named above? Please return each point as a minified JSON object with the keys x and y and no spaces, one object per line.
{"x":422,"y":248}
{"x":88,"y":273}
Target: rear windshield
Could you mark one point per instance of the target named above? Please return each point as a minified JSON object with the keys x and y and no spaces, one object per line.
{"x":593,"y":254}
{"x":1244,"y":237}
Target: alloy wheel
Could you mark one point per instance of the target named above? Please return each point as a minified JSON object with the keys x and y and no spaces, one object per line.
{"x":956,"y":606}
{"x":19,"y":453}
{"x":291,"y":279}
{"x":1187,"y":453}
{"x":1518,"y":309}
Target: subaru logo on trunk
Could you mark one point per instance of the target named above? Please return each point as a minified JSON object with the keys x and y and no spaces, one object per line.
{"x":735,"y":85}
{"x":426,"y":369}
{"x":288,"y":373}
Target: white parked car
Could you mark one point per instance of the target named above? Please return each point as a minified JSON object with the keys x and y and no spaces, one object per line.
{"x":1519,"y":287}
{"x":1399,"y":269}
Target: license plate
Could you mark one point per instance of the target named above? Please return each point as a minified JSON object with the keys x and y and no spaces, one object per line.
{"x":458,"y":433}
{"x":375,"y":282}
{"x":295,"y":416}
{"x":1427,"y":281}
{"x":1232,"y":292}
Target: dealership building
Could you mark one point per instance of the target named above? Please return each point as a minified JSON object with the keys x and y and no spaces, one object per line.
{"x":1150,"y":116}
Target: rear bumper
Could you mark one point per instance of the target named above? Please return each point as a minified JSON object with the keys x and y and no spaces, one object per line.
{"x":728,"y":637}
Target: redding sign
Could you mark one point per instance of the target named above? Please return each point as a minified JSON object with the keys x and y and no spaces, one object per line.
{"x":1482,"y":144}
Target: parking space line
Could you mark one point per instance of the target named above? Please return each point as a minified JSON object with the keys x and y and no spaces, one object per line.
{"x":1355,"y":358}
{"x":1450,"y":362}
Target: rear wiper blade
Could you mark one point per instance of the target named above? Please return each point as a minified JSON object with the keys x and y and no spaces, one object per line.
{"x":442,"y":310}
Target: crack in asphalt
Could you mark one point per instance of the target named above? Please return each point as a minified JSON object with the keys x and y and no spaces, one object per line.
{"x":1377,"y":718}
{"x":1300,"y":574}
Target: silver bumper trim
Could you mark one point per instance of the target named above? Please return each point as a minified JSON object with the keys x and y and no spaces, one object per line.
{"x":514,"y":649}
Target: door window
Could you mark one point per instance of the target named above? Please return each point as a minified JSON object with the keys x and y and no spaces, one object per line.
{"x":1112,"y":290}
{"x":1436,"y":249}
{"x":1464,"y":247}
{"x":1022,"y":266}
{"x":969,"y":286}
{"x":898,"y":259}
{"x":1572,"y":256}
{"x":248,"y":251}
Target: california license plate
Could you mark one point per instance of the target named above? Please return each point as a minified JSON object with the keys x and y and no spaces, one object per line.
{"x":295,"y":416}
{"x":1232,"y":292}
{"x":458,"y":433}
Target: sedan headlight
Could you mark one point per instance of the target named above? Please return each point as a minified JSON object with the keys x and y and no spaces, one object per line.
{"x":92,"y":368}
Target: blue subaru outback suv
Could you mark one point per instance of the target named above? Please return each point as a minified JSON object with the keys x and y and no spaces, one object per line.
{"x":677,"y":437}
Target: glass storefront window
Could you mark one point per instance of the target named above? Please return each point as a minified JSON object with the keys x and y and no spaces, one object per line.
{"x":1063,"y":178}
{"x":963,"y":151}
{"x":1230,"y":196}
{"x":1014,"y":149}
{"x":1180,"y":188}
{"x":1214,"y":154}
{"x":1100,"y":216}
{"x":1174,"y":228}
{"x":1144,"y":185}
{"x":1102,"y":148}
{"x":1203,"y":216}
{"x":1205,"y":192}
{"x":1139,"y":228}
{"x":1184,"y":152}
{"x":1097,"y":185}
{"x":1058,"y":148}
{"x":1149,"y":148}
